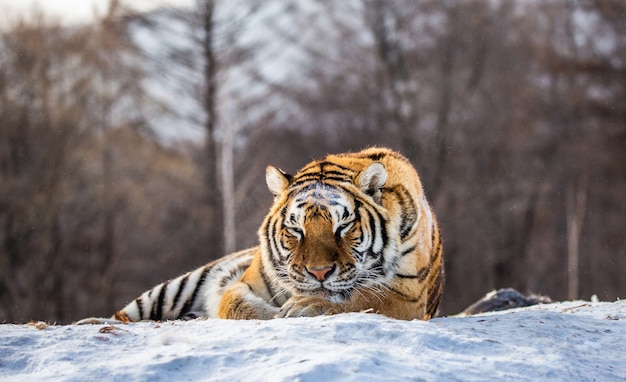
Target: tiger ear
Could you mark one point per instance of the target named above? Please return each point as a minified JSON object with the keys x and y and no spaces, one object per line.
{"x":277,"y":180}
{"x":372,"y":180}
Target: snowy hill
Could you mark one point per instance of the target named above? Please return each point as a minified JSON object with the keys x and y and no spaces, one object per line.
{"x":564,"y":341}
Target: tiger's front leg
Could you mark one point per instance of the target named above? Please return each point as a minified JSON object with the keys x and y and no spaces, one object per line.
{"x":240,"y":302}
{"x":307,"y":306}
{"x":249,"y":298}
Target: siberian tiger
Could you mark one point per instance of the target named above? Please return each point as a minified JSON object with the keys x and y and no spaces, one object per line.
{"x":347,"y":233}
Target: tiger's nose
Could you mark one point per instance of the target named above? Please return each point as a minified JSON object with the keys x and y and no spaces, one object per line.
{"x":321,"y":273}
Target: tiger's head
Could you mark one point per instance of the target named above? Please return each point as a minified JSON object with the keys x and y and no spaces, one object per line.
{"x":328,"y":232}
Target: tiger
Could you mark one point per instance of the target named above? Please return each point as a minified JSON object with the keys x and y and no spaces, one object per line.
{"x":350,"y":232}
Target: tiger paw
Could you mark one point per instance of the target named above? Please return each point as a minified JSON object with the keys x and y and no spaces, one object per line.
{"x":305,"y":306}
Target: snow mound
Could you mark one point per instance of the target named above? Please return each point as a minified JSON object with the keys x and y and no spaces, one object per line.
{"x":563,"y":341}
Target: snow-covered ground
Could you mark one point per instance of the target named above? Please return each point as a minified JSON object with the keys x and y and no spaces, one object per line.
{"x":571,"y":341}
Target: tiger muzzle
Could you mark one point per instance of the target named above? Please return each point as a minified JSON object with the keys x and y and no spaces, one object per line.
{"x":321,"y":273}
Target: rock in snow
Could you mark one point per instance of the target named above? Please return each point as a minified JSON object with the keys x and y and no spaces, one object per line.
{"x":568,"y":341}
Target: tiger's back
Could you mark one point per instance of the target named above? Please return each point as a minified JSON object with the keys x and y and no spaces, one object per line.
{"x":193,"y":294}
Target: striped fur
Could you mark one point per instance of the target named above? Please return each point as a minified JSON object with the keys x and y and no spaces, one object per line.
{"x":351,"y":232}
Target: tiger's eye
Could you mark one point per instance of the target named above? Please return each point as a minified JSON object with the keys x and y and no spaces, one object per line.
{"x":343,"y":229}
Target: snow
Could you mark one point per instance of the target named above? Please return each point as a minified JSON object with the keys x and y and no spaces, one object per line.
{"x":574,"y":340}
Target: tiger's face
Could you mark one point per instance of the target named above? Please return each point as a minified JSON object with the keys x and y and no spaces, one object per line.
{"x":327,"y":239}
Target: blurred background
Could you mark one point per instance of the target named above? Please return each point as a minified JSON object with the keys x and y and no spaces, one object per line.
{"x":133,"y":140}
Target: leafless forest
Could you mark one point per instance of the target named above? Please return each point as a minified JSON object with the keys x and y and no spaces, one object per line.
{"x":133,"y":149}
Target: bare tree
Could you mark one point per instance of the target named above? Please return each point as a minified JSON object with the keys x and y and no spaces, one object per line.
{"x":218,"y":30}
{"x":38,"y":129}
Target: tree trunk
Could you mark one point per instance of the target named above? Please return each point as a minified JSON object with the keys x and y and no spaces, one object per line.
{"x":214,"y":193}
{"x":228,"y":187}
{"x":576,"y":201}
{"x":440,"y":138}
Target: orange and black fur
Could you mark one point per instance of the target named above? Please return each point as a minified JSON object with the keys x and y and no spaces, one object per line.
{"x":347,"y":233}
